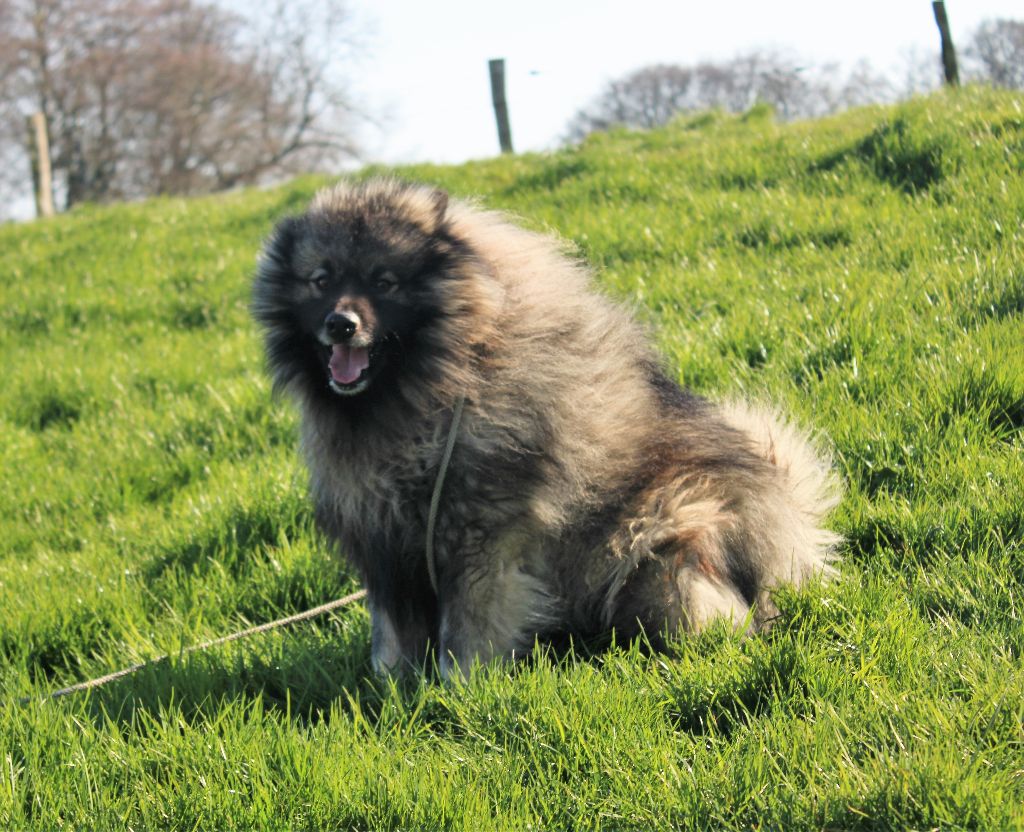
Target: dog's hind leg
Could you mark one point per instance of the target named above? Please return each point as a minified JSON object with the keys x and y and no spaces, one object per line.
{"x":674,"y":564}
{"x":663,"y":593}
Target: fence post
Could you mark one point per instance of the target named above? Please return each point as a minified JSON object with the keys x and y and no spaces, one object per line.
{"x":949,"y":67}
{"x":497,"y":67}
{"x":39,"y":158}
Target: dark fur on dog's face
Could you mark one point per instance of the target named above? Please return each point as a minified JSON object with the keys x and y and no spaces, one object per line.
{"x":349,"y":292}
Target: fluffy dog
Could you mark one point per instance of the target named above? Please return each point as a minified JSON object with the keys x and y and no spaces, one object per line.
{"x":586,"y":491}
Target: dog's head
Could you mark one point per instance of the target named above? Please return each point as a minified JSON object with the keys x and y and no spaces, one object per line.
{"x":356,"y":291}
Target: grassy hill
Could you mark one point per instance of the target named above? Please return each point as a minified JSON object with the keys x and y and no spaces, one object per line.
{"x":866,"y":272}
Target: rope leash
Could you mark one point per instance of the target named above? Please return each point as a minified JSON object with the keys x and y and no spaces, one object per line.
{"x":250,"y":631}
{"x":435,"y":502}
{"x":435,"y":498}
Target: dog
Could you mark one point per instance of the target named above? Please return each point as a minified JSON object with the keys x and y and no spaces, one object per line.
{"x":586,"y":492}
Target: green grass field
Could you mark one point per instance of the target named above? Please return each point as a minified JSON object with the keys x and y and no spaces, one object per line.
{"x":865,"y":272}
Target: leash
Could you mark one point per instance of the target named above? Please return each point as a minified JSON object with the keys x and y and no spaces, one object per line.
{"x":250,"y":631}
{"x":435,"y":502}
{"x":435,"y":498}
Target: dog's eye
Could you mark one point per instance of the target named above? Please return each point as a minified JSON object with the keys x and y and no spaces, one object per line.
{"x":385,"y":282}
{"x":320,"y":279}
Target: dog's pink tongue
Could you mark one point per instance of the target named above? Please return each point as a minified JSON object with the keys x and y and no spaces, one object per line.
{"x":348,"y":362}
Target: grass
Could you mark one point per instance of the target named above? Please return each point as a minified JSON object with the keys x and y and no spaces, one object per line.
{"x":866,"y":272}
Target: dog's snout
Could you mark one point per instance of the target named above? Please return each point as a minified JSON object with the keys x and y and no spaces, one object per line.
{"x":341,"y":326}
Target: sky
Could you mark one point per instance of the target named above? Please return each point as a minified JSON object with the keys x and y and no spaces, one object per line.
{"x":421,"y":71}
{"x":424,"y":67}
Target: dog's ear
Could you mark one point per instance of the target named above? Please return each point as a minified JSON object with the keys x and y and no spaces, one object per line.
{"x":283,"y":239}
{"x":439,"y":198}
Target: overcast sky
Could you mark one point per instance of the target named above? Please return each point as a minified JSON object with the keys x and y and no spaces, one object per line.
{"x":425,"y":63}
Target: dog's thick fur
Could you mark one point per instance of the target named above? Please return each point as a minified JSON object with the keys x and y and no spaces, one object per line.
{"x":586,"y":490}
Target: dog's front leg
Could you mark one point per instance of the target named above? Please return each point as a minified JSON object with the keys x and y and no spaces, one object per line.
{"x":491,"y":608}
{"x":385,"y":646}
{"x":402,"y":632}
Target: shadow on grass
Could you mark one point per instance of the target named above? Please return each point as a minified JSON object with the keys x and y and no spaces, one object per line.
{"x":301,"y":675}
{"x":729,"y":695}
{"x":307,"y":676}
{"x":899,"y":153}
{"x":714,"y":682}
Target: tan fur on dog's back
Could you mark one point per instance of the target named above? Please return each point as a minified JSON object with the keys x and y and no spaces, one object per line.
{"x":549,"y":303}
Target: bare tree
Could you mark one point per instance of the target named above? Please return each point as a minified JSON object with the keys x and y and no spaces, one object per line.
{"x":646,"y":98}
{"x":174,"y":96}
{"x":920,"y":71}
{"x":791,"y":88}
{"x":861,"y":86}
{"x":651,"y":96}
{"x":995,"y":53}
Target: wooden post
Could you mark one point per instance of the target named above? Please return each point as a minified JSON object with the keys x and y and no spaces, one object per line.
{"x":497,"y":66}
{"x":949,"y":67}
{"x":39,"y":156}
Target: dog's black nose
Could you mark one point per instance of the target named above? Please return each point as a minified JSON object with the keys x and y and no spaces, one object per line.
{"x":341,"y":326}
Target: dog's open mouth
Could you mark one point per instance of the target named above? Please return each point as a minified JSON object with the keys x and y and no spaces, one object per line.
{"x":349,"y":368}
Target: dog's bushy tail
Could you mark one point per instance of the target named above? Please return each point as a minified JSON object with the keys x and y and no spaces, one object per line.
{"x":796,"y":545}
